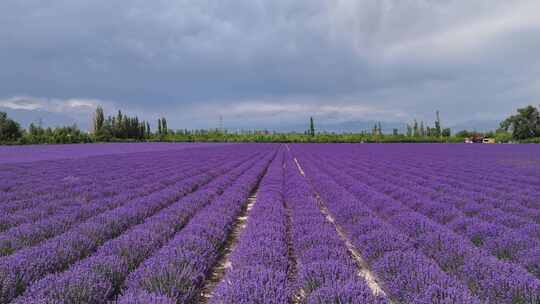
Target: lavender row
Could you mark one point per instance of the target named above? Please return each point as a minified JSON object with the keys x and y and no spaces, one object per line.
{"x":325,"y":271}
{"x":408,"y":274}
{"x":25,"y":186}
{"x":476,"y":188}
{"x":37,"y":153}
{"x":81,"y":178}
{"x":102,"y":186}
{"x":498,"y":181}
{"x":40,"y":209}
{"x":133,"y":182}
{"x":27,"y":265}
{"x":524,"y":284}
{"x":74,"y":182}
{"x":17,"y":271}
{"x":82,"y":173}
{"x":260,"y":262}
{"x":476,"y":196}
{"x":507,"y":212}
{"x":491,"y":280}
{"x":500,"y":184}
{"x":517,"y":245}
{"x":494,"y":230}
{"x":486,"y":210}
{"x":450,"y":205}
{"x":177,"y":271}
{"x":475,"y":166}
{"x":110,"y":265}
{"x":33,"y":233}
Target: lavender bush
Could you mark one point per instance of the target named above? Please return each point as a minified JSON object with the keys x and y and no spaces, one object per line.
{"x":332,"y":223}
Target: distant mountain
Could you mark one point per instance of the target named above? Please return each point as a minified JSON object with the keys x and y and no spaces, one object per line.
{"x":476,"y":125}
{"x":48,"y":119}
{"x":358,"y":126}
{"x":367,"y":125}
{"x":338,"y":127}
{"x":52,"y":119}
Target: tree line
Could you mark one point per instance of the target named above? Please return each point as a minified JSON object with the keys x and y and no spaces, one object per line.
{"x":12,"y":133}
{"x":420,"y":130}
{"x":524,"y":126}
{"x":119,"y":126}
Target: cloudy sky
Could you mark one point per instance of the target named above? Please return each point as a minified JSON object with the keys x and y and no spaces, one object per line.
{"x":271,"y":62}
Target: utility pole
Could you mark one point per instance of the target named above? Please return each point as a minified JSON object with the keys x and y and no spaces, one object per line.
{"x":438,"y":124}
{"x":220,"y":123}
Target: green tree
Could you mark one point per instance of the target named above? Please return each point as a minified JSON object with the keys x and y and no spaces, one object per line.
{"x":525,"y":124}
{"x":446,"y":132}
{"x":415,"y":128}
{"x":118,"y":129}
{"x":164,"y":127}
{"x":10,"y":130}
{"x":99,"y":119}
{"x":437,"y":132}
{"x":311,"y":127}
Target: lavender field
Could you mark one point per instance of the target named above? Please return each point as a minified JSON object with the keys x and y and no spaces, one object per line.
{"x":270,"y":223}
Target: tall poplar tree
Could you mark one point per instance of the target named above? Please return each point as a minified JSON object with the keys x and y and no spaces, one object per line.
{"x":164,"y":128}
{"x":438,"y":130}
{"x":99,"y":119}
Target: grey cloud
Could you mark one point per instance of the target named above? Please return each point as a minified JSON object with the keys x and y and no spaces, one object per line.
{"x":396,"y":59}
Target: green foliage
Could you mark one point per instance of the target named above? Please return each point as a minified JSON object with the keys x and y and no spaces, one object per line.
{"x":446,"y":132}
{"x":10,"y":130}
{"x":524,"y":125}
{"x":162,"y":127}
{"x":119,"y":127}
{"x":266,"y":136}
{"x":501,"y":136}
{"x":311,"y":127}
{"x":99,"y":119}
{"x":437,"y":132}
{"x":61,"y":135}
{"x":534,"y":140}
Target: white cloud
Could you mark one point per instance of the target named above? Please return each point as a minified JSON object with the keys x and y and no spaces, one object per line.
{"x":72,"y":106}
{"x":21,"y":103}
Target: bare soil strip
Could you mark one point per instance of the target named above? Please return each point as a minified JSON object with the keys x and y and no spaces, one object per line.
{"x":217,"y":274}
{"x":292,"y":269}
{"x":363,"y":267}
{"x":299,"y":167}
{"x":224,"y":263}
{"x":293,"y":266}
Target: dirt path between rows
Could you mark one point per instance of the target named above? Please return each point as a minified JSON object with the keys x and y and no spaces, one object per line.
{"x":224,"y":263}
{"x":363,"y":267}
